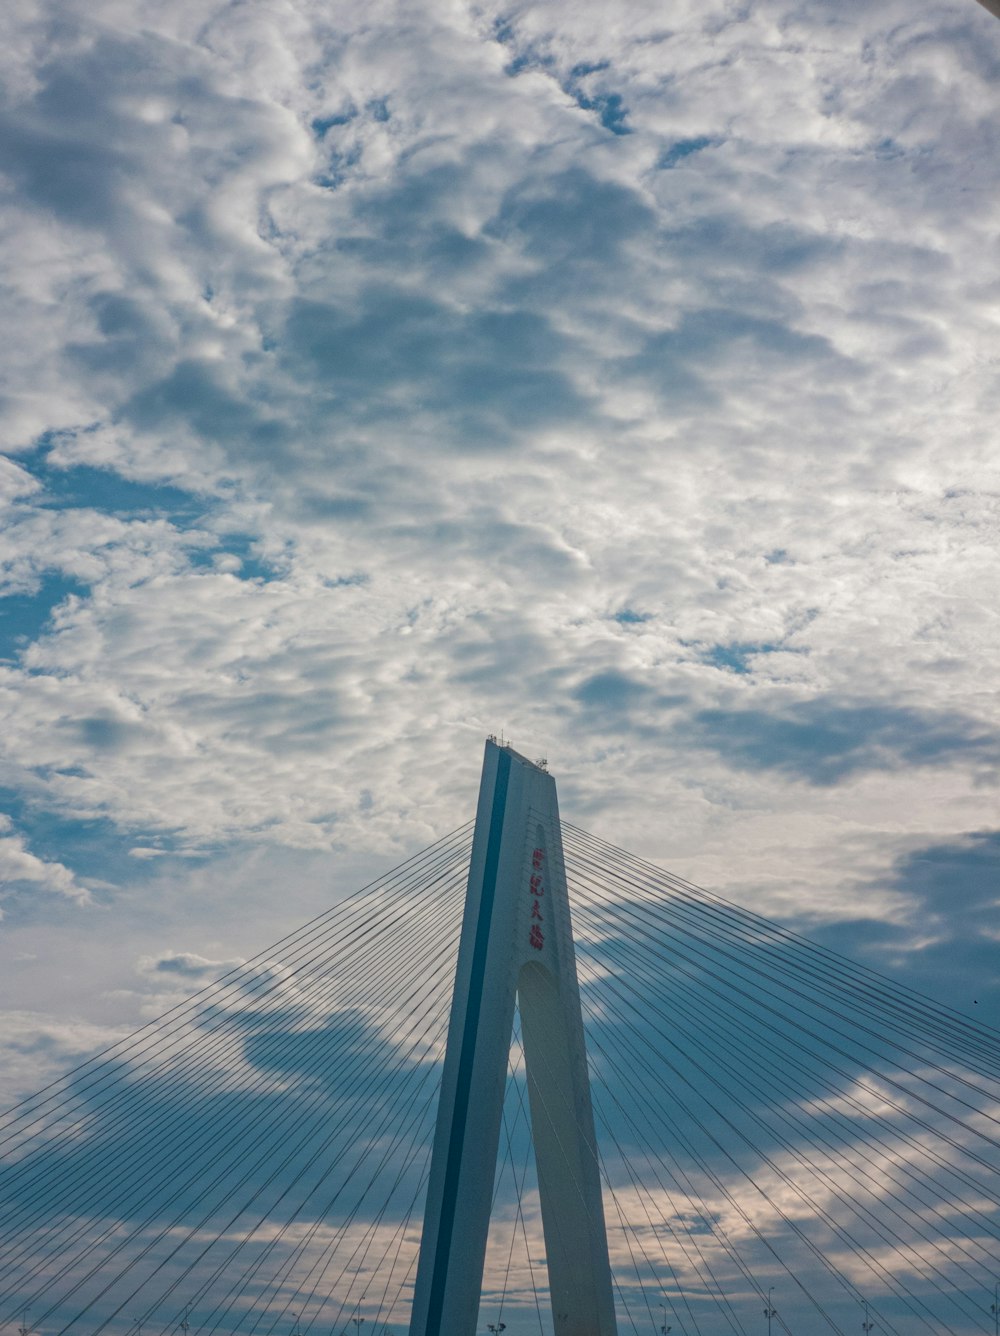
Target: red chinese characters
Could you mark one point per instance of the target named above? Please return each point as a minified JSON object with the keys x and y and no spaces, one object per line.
{"x":536,"y":889}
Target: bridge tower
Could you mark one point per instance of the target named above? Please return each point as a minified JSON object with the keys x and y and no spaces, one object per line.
{"x":517,"y":940}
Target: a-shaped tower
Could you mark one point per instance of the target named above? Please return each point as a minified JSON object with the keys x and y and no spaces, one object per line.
{"x":517,"y":940}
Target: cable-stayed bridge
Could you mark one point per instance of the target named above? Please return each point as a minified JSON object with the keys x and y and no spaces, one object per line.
{"x":763,"y":1135}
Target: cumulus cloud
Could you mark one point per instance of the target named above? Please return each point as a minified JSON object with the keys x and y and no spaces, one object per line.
{"x":375,"y":386}
{"x":186,"y":964}
{"x":822,"y":741}
{"x":20,"y":867}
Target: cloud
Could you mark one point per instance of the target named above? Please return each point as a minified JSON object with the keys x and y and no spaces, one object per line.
{"x":951,"y":894}
{"x":187,"y":965}
{"x":823,"y":741}
{"x":426,"y":323}
{"x":19,"y":868}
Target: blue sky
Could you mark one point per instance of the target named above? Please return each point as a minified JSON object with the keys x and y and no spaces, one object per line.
{"x":373,"y":381}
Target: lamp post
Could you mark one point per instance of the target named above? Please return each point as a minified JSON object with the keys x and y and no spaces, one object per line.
{"x":664,"y":1327}
{"x":496,"y":1327}
{"x":995,"y":1309}
{"x":868,"y":1324}
{"x":770,"y":1311}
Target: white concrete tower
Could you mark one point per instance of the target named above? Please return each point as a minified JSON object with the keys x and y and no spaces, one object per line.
{"x":516,"y":939}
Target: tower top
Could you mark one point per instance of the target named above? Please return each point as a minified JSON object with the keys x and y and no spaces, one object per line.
{"x":503,"y":745}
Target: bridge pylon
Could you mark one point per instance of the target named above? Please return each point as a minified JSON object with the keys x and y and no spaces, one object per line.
{"x":516,"y":942}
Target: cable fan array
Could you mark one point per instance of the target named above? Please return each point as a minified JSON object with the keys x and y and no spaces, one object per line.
{"x":771,"y":1118}
{"x":254,"y":1158}
{"x":773,"y":1114}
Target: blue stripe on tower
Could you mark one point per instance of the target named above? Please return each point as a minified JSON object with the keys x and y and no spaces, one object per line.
{"x":463,"y":1085}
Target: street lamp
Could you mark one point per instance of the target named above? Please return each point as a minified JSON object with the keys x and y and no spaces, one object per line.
{"x":995,"y":1309}
{"x":867,"y":1325}
{"x":496,"y":1326}
{"x":664,"y":1327}
{"x":770,"y":1311}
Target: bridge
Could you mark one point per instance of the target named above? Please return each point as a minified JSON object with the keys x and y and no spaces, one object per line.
{"x":524,"y":1082}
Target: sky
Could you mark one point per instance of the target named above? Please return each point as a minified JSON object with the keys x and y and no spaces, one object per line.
{"x":621,"y":378}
